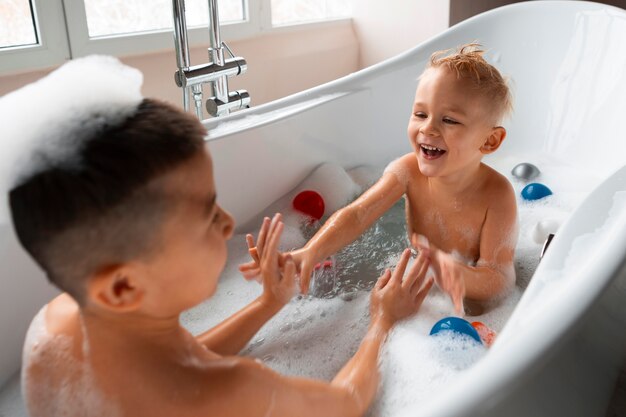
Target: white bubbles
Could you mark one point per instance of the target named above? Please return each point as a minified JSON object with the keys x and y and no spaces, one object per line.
{"x":543,"y":228}
{"x":60,"y":380}
{"x":44,"y":123}
{"x":314,"y":337}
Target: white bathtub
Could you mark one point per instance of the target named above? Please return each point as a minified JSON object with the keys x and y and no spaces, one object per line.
{"x":562,"y":349}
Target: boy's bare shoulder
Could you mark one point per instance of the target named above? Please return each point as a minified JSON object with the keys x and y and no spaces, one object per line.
{"x":404,"y":167}
{"x":498,"y":188}
{"x":407,"y":161}
{"x":228,"y":381}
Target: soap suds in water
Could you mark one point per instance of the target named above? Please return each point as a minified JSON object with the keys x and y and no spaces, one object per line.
{"x":315,"y":336}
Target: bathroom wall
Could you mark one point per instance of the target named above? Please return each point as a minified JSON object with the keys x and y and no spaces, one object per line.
{"x":286,"y":61}
{"x":279,"y":63}
{"x":387,"y":28}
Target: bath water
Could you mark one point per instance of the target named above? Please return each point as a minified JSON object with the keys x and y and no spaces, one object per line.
{"x":314,"y":336}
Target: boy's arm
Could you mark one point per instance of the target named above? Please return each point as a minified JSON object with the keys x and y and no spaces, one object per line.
{"x":347,"y":224}
{"x":232,"y":335}
{"x":349,"y":394}
{"x":395,"y":296}
{"x":494,"y":272}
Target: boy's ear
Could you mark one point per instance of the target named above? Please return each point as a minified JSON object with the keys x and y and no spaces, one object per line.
{"x":116,"y":288}
{"x":494,"y":140}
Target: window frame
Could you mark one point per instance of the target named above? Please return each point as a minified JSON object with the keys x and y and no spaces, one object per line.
{"x":64,"y":35}
{"x":52,"y":47}
{"x":142,"y":42}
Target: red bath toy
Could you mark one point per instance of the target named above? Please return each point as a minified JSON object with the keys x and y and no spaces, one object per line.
{"x":326,"y":264}
{"x":486,"y":334}
{"x":310,"y":203}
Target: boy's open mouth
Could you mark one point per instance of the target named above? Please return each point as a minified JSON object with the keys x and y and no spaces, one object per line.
{"x":431,"y":152}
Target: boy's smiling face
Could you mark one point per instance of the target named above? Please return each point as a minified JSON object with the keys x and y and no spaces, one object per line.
{"x":449,"y":125}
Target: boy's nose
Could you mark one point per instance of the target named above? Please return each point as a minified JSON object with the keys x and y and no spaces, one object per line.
{"x":428,"y":129}
{"x":228,"y":224}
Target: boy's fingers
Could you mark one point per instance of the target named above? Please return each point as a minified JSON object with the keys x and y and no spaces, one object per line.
{"x":423,"y":292}
{"x":250,"y":241}
{"x":398,"y":273}
{"x":250,"y":266}
{"x":251,"y":273}
{"x":415,"y":273}
{"x":383,"y":280}
{"x":274,"y":223}
{"x":272,"y":245}
{"x":254,"y":253}
{"x":262,"y":235}
{"x":290,"y":269}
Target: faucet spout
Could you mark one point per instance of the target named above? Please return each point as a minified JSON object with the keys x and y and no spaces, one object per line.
{"x":215,"y":73}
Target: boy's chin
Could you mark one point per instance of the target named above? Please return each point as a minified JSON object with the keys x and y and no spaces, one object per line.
{"x":428,"y":170}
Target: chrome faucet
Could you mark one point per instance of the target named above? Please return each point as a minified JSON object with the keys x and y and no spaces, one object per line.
{"x":216,"y":72}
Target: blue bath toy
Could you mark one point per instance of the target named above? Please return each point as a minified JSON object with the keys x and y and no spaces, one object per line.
{"x":458,"y":325}
{"x":535,"y":191}
{"x":525,"y":171}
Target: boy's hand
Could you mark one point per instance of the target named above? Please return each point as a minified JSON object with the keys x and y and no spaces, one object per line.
{"x":277,"y":270}
{"x":398,"y":295}
{"x":448,"y":271}
{"x":252,"y":270}
{"x":305,"y":264}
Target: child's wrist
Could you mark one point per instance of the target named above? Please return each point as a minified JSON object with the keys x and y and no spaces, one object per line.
{"x":270,"y":303}
{"x":382,"y":322}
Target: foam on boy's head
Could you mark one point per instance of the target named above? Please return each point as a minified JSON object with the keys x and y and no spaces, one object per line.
{"x":87,"y":185}
{"x":44,"y":123}
{"x":467,"y":63}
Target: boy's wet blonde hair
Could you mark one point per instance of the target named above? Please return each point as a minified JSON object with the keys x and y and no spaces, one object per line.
{"x":468,"y":63}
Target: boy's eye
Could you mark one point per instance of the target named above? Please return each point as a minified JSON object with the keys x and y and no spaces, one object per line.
{"x":420,"y":115}
{"x":450,"y":121}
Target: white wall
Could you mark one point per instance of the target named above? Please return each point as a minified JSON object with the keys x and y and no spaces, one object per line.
{"x":279,"y":63}
{"x":387,"y":28}
{"x":284,"y":62}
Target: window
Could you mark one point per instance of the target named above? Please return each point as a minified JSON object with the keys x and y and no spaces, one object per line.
{"x":17,"y":24}
{"x":288,"y":12}
{"x":114,"y":17}
{"x":43,"y":33}
{"x":29,"y":41}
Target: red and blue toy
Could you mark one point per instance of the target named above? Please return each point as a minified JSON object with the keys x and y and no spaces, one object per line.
{"x":476,"y":330}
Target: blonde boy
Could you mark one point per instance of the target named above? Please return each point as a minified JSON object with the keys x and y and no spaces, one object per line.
{"x":459,"y":211}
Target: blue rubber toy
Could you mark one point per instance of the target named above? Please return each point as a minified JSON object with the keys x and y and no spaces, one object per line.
{"x":456,"y":324}
{"x":535,"y":191}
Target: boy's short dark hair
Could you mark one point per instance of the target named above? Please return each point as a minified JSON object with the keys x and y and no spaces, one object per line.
{"x":76,"y":217}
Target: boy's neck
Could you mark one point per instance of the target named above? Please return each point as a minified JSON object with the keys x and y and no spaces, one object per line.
{"x":457,"y":184}
{"x":126,"y":330}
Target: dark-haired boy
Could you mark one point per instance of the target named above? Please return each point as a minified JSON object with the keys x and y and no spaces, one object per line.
{"x":133,"y":235}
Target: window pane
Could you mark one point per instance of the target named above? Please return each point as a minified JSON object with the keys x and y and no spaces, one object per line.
{"x":113,"y":17}
{"x":16,"y":24}
{"x":286,"y":12}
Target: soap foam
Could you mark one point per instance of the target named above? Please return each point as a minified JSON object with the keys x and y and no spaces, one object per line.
{"x":43,"y":124}
{"x":315,"y":336}
{"x":56,"y":390}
